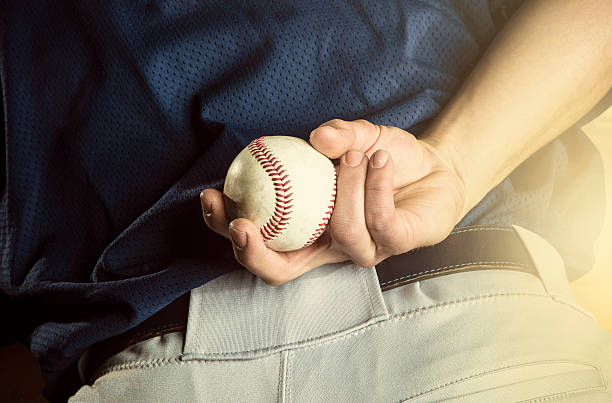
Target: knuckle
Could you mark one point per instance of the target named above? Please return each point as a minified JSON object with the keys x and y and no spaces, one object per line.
{"x":322,"y":130}
{"x":391,"y":249}
{"x":379,"y":186}
{"x":338,"y":123}
{"x":378,"y":219}
{"x":348,"y":235}
{"x":366,"y":124}
{"x":378,"y":200}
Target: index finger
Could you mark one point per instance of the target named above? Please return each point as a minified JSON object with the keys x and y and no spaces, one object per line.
{"x":336,"y":137}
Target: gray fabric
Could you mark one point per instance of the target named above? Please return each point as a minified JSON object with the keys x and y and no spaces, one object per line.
{"x":246,"y":318}
{"x":477,"y":336}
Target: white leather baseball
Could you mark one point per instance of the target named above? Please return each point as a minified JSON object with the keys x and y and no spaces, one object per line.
{"x":286,"y":187}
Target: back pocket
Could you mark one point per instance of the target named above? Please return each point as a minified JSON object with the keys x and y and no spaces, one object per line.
{"x":521,"y":383}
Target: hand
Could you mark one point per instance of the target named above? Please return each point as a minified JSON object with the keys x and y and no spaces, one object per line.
{"x":394,"y":194}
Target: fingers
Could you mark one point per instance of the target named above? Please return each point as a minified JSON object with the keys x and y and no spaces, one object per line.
{"x":336,"y":137}
{"x":251,"y":252}
{"x":383,"y":223}
{"x":365,"y":226}
{"x":213,"y":211}
{"x":276,"y":268}
{"x":273,"y":267}
{"x":347,"y":225}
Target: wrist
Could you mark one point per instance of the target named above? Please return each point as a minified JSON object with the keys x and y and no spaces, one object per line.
{"x":456,"y":152}
{"x":449,"y":157}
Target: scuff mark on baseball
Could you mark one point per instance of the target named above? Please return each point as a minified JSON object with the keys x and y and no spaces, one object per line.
{"x":286,"y":187}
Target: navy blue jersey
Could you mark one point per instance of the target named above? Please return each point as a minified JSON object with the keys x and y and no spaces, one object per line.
{"x":117,"y":114}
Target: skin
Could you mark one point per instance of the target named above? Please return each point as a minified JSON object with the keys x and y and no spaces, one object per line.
{"x":546,"y":69}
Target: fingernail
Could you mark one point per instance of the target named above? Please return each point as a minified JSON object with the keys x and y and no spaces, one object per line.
{"x":379,"y":159}
{"x":238,"y":237}
{"x":206,"y":206}
{"x":353,"y":158}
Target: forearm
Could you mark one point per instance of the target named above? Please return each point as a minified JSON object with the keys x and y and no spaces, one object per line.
{"x":547,"y":68}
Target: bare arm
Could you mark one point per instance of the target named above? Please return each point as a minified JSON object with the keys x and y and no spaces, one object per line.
{"x":545,"y":70}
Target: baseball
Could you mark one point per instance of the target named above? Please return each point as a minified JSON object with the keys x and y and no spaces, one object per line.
{"x":285,"y":186}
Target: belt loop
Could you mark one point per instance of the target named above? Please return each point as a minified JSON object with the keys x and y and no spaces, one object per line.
{"x":549,"y":266}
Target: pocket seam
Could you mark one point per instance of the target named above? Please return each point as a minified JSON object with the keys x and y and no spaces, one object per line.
{"x":507,"y":367}
{"x":564,"y":394}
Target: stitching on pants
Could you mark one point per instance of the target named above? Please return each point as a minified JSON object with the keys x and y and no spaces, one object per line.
{"x":488,"y":296}
{"x":153,"y":363}
{"x":140,"y":337}
{"x":367,"y":284}
{"x":563,"y":395}
{"x":323,"y":338}
{"x":465,"y":378}
{"x":479,"y":228}
{"x":429,"y":271}
{"x":289,"y":380}
{"x":420,"y":310}
{"x":281,"y":368}
{"x":283,"y":376}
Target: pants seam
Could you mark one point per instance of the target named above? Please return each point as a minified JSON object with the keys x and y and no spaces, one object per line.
{"x":480,"y":228}
{"x":322,"y":339}
{"x":282,"y":376}
{"x":289,"y":375}
{"x":444,"y":305}
{"x":491,"y":296}
{"x":151,"y":363}
{"x":494,"y":369}
{"x":300,"y":345}
{"x":367,"y":285}
{"x":564,"y":394}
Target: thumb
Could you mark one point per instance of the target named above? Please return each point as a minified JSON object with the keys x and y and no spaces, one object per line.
{"x":336,"y":137}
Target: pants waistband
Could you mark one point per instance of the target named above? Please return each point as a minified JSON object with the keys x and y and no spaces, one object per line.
{"x":465,"y":249}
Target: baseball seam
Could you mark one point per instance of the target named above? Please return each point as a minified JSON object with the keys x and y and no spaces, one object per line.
{"x":282,"y":187}
{"x":326,"y":216}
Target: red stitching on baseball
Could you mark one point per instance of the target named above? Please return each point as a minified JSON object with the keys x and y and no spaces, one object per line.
{"x":326,"y":216}
{"x":282,"y":208}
